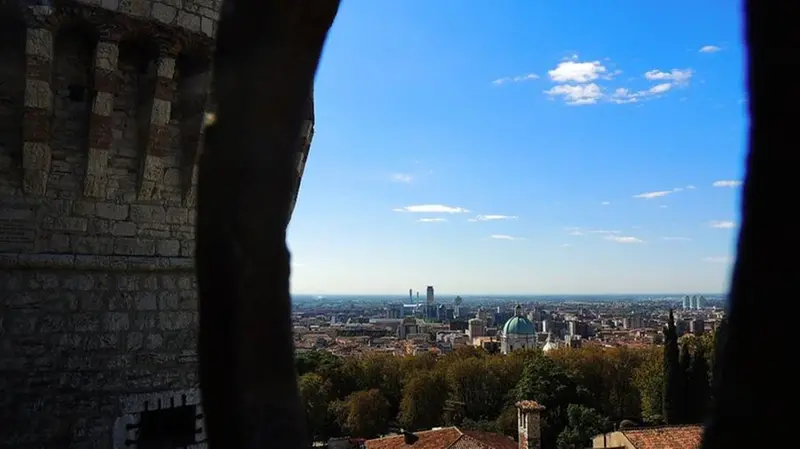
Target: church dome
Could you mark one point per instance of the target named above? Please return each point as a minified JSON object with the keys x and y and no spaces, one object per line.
{"x":518,"y":325}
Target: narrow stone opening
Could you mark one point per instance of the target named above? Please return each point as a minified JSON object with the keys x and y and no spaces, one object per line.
{"x":72,"y":84}
{"x":167,"y":428}
{"x":12,"y":91}
{"x":130,"y":116}
{"x":193,"y":80}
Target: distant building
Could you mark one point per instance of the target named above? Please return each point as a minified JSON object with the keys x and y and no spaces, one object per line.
{"x":429,"y":295}
{"x":687,"y":302}
{"x":685,"y":437}
{"x":518,"y":333}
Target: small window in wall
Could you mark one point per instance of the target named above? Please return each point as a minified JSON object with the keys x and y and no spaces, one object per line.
{"x":167,"y":428}
{"x":77,"y":92}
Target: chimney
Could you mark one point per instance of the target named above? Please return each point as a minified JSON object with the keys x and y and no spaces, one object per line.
{"x":529,"y":425}
{"x":409,"y":438}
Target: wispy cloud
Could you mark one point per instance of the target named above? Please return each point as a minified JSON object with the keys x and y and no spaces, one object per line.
{"x":605,"y":203}
{"x":574,"y":231}
{"x":493,"y":217}
{"x":566,"y":245}
{"x":675,"y":76}
{"x":727,"y":183}
{"x":709,"y":49}
{"x":577,"y":94}
{"x":431,"y":220}
{"x":722,"y":224}
{"x":504,"y":237}
{"x":515,"y":79}
{"x":603,"y":232}
{"x":659,"y":193}
{"x":677,"y":239}
{"x":623,"y":239}
{"x":402,"y":178}
{"x":717,"y":259}
{"x":432,"y":209}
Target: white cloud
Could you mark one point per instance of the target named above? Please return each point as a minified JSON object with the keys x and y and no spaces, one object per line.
{"x":493,"y":217}
{"x":516,"y":79}
{"x":566,"y":245}
{"x":603,"y":231}
{"x":660,"y":193}
{"x":690,"y":187}
{"x":572,"y":71}
{"x":709,"y":49}
{"x":504,"y":237}
{"x":677,"y":239}
{"x":674,"y":76}
{"x":576,"y":233}
{"x":663,"y":206}
{"x":432,"y":209}
{"x":431,"y":220}
{"x":623,"y":239}
{"x":717,"y":259}
{"x":722,"y":224}
{"x":727,"y":183}
{"x":651,"y":195}
{"x":577,"y":95}
{"x":605,"y":203}
{"x":402,"y":177}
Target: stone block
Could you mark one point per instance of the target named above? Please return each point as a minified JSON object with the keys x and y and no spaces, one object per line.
{"x":39,"y":42}
{"x":112,"y":211}
{"x":106,"y":56}
{"x":38,"y":94}
{"x":144,"y":213}
{"x":103,"y":103}
{"x":38,"y":68}
{"x":168,"y":248}
{"x":123,"y":229}
{"x":36,"y":156}
{"x":134,"y":247}
{"x":189,"y":21}
{"x":161,"y":112}
{"x":207,"y":26}
{"x":36,"y":126}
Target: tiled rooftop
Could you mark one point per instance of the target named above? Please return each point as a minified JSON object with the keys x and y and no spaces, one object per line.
{"x":665,"y":437}
{"x":445,"y":438}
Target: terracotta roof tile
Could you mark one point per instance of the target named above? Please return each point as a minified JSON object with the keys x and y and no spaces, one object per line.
{"x":445,"y":438}
{"x":428,"y":439}
{"x":665,"y":437}
{"x":488,"y":440}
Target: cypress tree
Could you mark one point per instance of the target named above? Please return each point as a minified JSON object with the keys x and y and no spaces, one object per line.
{"x":673,"y":391}
{"x":699,"y":388}
{"x":686,"y":371}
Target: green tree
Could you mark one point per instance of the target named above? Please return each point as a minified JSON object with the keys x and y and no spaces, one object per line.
{"x":686,"y":365}
{"x":583,"y":423}
{"x":673,"y":398}
{"x":648,"y":379}
{"x":423,"y":401}
{"x":699,"y":388}
{"x":472,"y":385}
{"x":363,"y":414}
{"x":315,"y":396}
{"x":549,"y":384}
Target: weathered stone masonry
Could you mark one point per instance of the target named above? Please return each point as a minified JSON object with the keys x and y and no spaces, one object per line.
{"x":101,"y":110}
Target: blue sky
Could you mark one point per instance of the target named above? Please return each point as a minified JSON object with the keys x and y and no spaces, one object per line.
{"x":524,"y":147}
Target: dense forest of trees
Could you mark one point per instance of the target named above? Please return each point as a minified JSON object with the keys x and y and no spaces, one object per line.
{"x":586,"y":391}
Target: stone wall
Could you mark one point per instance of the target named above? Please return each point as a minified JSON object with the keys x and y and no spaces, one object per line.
{"x":100,"y":127}
{"x":102,"y":104}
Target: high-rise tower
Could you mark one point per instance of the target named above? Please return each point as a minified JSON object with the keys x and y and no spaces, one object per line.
{"x":102,"y":105}
{"x":429,"y":295}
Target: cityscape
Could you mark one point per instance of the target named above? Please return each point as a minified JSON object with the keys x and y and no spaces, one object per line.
{"x":348,"y":325}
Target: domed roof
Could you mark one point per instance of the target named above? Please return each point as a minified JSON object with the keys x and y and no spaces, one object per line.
{"x":518,"y":325}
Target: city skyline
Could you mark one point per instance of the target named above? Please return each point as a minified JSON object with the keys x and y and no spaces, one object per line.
{"x":523,"y":148}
